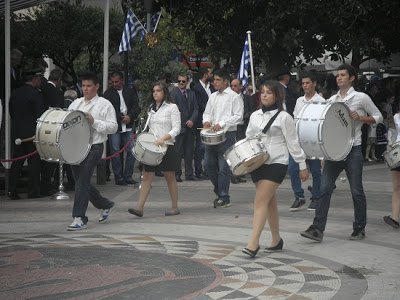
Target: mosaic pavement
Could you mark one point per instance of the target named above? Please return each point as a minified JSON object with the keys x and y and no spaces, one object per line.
{"x":80,"y":266}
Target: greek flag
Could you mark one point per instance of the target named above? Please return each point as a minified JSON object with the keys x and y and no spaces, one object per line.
{"x":244,"y":64}
{"x":133,"y":28}
{"x":154,"y":23}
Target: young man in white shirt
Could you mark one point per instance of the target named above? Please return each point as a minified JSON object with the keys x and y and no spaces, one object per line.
{"x":224,"y":111}
{"x":101,"y":115}
{"x":363,"y":110}
{"x":309,"y":83}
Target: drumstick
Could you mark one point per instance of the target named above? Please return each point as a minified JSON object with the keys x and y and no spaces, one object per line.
{"x":169,"y":144}
{"x":201,"y":128}
{"x":155,"y":137}
{"x":19,"y":141}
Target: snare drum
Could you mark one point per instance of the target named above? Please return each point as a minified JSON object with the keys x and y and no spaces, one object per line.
{"x":392,"y":156}
{"x":146,"y":151}
{"x":325,"y":130}
{"x":246,"y":156}
{"x":63,"y":136}
{"x":211,"y":137}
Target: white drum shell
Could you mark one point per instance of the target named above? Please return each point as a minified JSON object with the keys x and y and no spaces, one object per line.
{"x":146,"y":151}
{"x":246,"y":155}
{"x":63,"y":136}
{"x":392,"y":156}
{"x":325,"y":130}
{"x":211,"y":137}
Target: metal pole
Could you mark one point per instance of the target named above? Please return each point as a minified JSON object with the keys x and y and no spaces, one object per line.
{"x":251,"y":63}
{"x":101,"y":167}
{"x":61,"y":195}
{"x":7,"y":43}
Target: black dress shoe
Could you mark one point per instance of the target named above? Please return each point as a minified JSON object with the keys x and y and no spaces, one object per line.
{"x":192,"y":178}
{"x":276,"y":248}
{"x":241,"y":180}
{"x":14,"y":196}
{"x":108,"y":178}
{"x":178,"y":179}
{"x":138,"y":213}
{"x":234,"y":180}
{"x":251,"y":253}
{"x":131,"y":181}
{"x":121,"y":182}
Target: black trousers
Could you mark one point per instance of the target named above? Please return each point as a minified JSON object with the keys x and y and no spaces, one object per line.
{"x":33,"y":169}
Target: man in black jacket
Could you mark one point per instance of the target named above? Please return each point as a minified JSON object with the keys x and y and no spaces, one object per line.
{"x":187,"y":104}
{"x":126,"y":105}
{"x":26,"y":106}
{"x":203,"y":90}
{"x":52,"y":97}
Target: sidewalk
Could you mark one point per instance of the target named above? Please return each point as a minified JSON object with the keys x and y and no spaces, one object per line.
{"x":197,"y":255}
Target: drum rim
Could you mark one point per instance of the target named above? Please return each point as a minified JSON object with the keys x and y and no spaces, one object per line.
{"x":239,"y":143}
{"x":247,"y":159}
{"x":164,"y":147}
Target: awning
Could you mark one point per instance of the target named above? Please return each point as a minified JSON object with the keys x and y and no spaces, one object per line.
{"x":20,"y":4}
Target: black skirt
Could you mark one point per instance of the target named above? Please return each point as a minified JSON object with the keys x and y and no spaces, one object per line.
{"x":170,"y":162}
{"x":274,"y":172}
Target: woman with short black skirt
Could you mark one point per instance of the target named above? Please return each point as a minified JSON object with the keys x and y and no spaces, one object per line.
{"x":280,"y":140}
{"x":165,"y":124}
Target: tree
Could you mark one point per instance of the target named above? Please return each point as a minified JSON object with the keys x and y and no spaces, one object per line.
{"x":283,"y":30}
{"x":65,"y":32}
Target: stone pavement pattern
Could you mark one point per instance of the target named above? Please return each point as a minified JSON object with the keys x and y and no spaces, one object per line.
{"x":197,"y":255}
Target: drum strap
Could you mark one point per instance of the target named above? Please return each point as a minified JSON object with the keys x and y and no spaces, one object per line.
{"x":270,"y":122}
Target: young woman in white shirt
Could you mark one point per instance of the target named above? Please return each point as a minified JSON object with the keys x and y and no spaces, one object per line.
{"x":393,"y":220}
{"x":165,"y":124}
{"x":280,"y":140}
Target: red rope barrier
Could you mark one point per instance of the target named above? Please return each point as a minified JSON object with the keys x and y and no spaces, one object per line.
{"x":19,"y":158}
{"x":120,"y":151}
{"x":104,"y":158}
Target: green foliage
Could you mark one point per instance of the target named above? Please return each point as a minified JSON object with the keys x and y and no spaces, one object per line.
{"x":67,"y":34}
{"x":282,"y":30}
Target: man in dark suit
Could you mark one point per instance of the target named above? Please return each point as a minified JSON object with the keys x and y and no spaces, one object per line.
{"x":203,"y":89}
{"x":187,"y":104}
{"x":26,"y":106}
{"x":290,"y":101}
{"x":126,"y":105}
{"x":52,"y":97}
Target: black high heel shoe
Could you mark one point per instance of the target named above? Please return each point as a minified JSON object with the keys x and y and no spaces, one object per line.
{"x":275,"y":248}
{"x":251,"y":253}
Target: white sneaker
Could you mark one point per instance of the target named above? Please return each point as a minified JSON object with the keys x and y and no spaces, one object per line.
{"x":104,"y":214}
{"x":77,"y":224}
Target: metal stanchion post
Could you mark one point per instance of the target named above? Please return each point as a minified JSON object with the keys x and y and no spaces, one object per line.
{"x":61,"y":195}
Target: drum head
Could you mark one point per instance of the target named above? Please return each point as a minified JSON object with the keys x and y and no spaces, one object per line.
{"x":147,"y":140}
{"x":337,"y":132}
{"x":75,"y":137}
{"x":250,"y":164}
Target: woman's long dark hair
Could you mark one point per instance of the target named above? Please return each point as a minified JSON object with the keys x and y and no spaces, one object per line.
{"x":278,"y":90}
{"x":167,"y":96}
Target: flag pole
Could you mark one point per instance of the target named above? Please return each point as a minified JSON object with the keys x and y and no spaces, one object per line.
{"x":251,"y":63}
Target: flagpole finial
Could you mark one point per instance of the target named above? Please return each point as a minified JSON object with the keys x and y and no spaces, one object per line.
{"x":248,"y":32}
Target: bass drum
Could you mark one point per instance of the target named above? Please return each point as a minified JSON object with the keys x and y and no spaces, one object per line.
{"x":63,"y":136}
{"x":325,"y":130}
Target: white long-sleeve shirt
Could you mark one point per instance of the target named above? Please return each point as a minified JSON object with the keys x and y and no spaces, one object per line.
{"x":281,"y":138}
{"x":103,"y":113}
{"x":363,"y":105}
{"x":301,"y":101}
{"x":225,"y":109}
{"x":166,"y":120}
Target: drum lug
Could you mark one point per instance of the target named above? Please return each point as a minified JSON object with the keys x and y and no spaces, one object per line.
{"x":237,"y":154}
{"x":229,"y":163}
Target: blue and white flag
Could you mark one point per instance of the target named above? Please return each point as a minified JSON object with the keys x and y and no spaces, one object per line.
{"x":154,"y":23}
{"x":133,"y":28}
{"x":244,"y":64}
